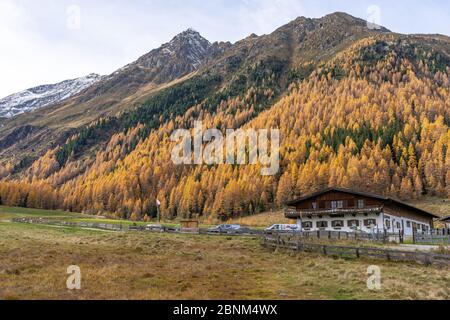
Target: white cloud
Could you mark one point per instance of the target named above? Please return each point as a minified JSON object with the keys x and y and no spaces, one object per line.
{"x":37,"y":47}
{"x":263,"y":16}
{"x":14,"y":45}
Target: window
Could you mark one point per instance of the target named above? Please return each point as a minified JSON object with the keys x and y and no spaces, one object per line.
{"x":370,"y":222}
{"x":337,"y":204}
{"x":307,"y":225}
{"x":418,"y":227}
{"x":314,"y":205}
{"x":408,"y":224}
{"x":424,"y":228}
{"x":360,"y":203}
{"x":353,"y":223}
{"x":337,"y":224}
{"x":322,"y":224}
{"x":398,"y":225}
{"x":387,"y":223}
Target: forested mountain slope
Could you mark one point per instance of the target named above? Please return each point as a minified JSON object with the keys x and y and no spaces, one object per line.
{"x":28,"y":136}
{"x":360,"y":108}
{"x":266,"y":62}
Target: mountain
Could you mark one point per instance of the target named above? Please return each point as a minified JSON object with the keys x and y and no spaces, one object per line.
{"x":182,"y":55}
{"x":179,"y":69}
{"x":175,"y":59}
{"x":34,"y":132}
{"x":44,"y":95}
{"x":268,"y":62}
{"x":356,"y":107}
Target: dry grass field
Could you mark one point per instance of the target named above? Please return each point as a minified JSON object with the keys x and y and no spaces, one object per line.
{"x":440,"y":207}
{"x":34,"y":260}
{"x":265,"y":219}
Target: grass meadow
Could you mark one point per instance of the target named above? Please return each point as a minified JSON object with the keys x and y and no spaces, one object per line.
{"x":120,"y":265}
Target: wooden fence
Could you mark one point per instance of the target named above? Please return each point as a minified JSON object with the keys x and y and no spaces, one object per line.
{"x":244,"y":232}
{"x":432,"y":239}
{"x":298,"y":241}
{"x":359,"y":236}
{"x":298,"y":244}
{"x":87,"y":225}
{"x":441,"y":232}
{"x":380,"y":236}
{"x":135,"y":227}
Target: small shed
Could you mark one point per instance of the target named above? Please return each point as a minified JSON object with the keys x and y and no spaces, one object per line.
{"x":189,"y":226}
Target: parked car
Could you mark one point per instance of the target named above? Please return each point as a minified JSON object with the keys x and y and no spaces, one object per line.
{"x":284,"y":228}
{"x":155,"y":227}
{"x":228,"y":228}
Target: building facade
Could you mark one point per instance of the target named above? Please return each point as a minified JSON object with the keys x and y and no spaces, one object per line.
{"x":446,"y":221}
{"x":336,"y":209}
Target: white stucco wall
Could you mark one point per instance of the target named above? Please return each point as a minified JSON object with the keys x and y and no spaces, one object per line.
{"x":380,"y":223}
{"x":346,"y":218}
{"x":404,"y":225}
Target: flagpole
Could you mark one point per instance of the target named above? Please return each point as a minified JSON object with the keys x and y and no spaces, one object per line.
{"x":158,"y":215}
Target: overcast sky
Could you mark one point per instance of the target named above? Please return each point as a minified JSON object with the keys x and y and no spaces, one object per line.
{"x":47,"y":41}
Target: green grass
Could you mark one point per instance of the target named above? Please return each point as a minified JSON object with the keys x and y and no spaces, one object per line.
{"x":93,"y":219}
{"x":438,"y":206}
{"x":8,"y":213}
{"x":13,"y":212}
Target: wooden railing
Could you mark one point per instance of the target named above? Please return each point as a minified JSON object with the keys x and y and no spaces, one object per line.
{"x":299,"y":241}
{"x":137,"y":228}
{"x":433,"y":237}
{"x":88,"y":225}
{"x":379,"y":237}
{"x":298,"y":244}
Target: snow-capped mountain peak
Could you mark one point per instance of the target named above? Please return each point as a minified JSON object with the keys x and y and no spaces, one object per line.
{"x":44,"y":95}
{"x":183,"y":54}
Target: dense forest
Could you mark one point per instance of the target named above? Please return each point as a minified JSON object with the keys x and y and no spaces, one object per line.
{"x":374,"y":118}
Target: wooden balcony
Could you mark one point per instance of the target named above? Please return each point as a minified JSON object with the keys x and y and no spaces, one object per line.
{"x":293,"y":213}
